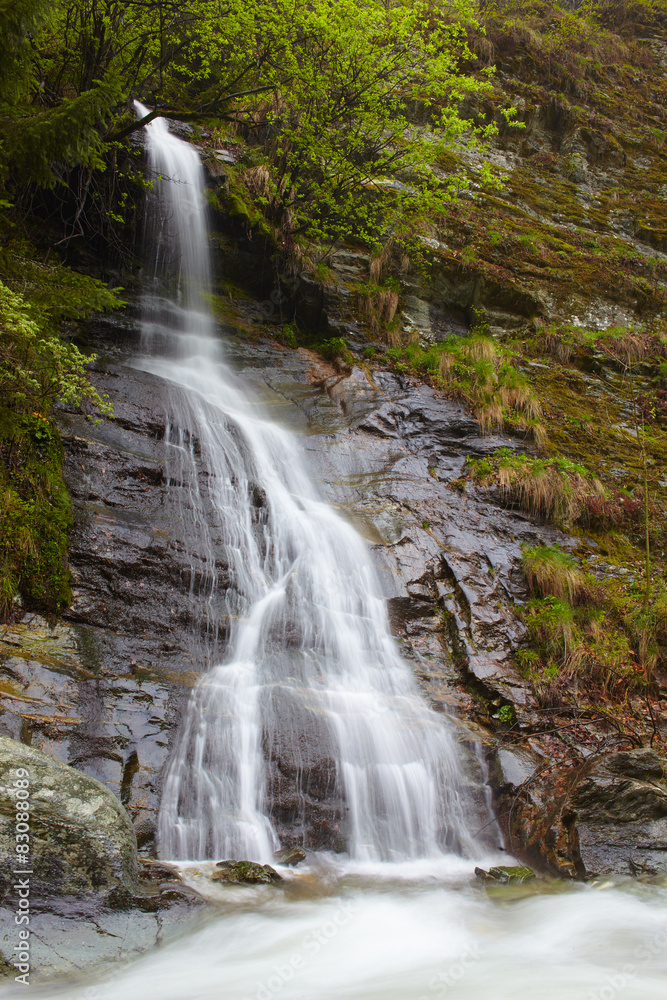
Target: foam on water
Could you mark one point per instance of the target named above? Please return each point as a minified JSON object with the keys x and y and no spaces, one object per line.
{"x":583,"y":943}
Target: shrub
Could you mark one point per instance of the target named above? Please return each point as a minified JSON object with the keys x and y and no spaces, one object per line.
{"x":551,"y":572}
{"x":36,"y":366}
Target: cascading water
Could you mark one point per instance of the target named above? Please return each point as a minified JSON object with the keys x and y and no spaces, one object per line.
{"x":310,"y":657}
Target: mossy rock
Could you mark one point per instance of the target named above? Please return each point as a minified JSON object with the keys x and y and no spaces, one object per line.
{"x":80,"y":837}
{"x":505,"y":875}
{"x":245,"y":873}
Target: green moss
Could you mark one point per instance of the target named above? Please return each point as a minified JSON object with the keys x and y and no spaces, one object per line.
{"x":35,"y":515}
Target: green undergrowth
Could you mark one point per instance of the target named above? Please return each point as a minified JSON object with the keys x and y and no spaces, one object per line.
{"x":597,"y":625}
{"x":478,"y":371}
{"x":37,"y":369}
{"x":590,"y":635}
{"x":35,"y":514}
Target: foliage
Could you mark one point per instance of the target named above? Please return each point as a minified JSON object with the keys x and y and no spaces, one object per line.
{"x":556,"y":489}
{"x":321,"y":89}
{"x":478,"y":371}
{"x":608,"y":641}
{"x":35,"y":514}
{"x":37,"y":367}
{"x":342,"y":152}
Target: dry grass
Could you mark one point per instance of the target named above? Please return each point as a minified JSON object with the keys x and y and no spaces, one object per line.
{"x":490,"y":415}
{"x":258,"y":180}
{"x":378,"y":306}
{"x":550,"y":572}
{"x":379,"y":262}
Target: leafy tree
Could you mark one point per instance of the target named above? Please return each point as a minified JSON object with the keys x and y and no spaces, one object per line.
{"x":326,"y":86}
{"x":322,"y":90}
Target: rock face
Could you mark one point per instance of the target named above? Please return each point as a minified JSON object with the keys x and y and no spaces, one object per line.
{"x":106,"y":690}
{"x":608,"y":816}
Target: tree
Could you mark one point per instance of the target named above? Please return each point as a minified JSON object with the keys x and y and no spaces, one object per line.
{"x":325,"y":86}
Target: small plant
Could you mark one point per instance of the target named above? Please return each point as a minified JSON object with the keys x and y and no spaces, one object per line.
{"x":334,"y":348}
{"x":289,"y":335}
{"x":550,"y":572}
{"x":378,"y":305}
{"x":506,"y":714}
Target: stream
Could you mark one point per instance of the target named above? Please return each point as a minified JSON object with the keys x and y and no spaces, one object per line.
{"x":416,"y":931}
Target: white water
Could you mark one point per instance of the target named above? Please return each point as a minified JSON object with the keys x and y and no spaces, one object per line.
{"x":377,"y":938}
{"x":311,"y":667}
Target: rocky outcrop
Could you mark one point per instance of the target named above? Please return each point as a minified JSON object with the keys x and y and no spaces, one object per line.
{"x":605,"y":816}
{"x":80,"y":889}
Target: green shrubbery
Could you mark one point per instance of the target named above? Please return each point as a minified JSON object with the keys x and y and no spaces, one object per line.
{"x":38,"y":368}
{"x":35,"y":514}
{"x":596,"y":632}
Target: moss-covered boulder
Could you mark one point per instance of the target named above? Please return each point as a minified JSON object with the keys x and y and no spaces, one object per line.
{"x":505,"y":875}
{"x":81,"y":839}
{"x":245,"y":873}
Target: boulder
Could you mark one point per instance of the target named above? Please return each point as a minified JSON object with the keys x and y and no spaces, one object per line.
{"x":80,"y":837}
{"x":82,"y":888}
{"x":245,"y":873}
{"x":505,"y":875}
{"x":290,"y":856}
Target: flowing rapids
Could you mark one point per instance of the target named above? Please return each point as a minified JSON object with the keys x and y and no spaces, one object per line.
{"x":310,"y":659}
{"x":369,"y":937}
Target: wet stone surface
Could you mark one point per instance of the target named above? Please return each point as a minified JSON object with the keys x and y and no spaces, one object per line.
{"x":89,"y":899}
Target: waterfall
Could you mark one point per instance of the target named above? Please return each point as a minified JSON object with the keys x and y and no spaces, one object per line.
{"x":309,"y":657}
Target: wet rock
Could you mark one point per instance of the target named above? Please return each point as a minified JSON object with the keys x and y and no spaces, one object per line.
{"x":81,"y":839}
{"x":607,"y":816}
{"x":87,"y":889}
{"x":77,"y":693}
{"x":620,"y":805}
{"x":290,"y":856}
{"x":505,"y":875}
{"x":245,"y":873}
